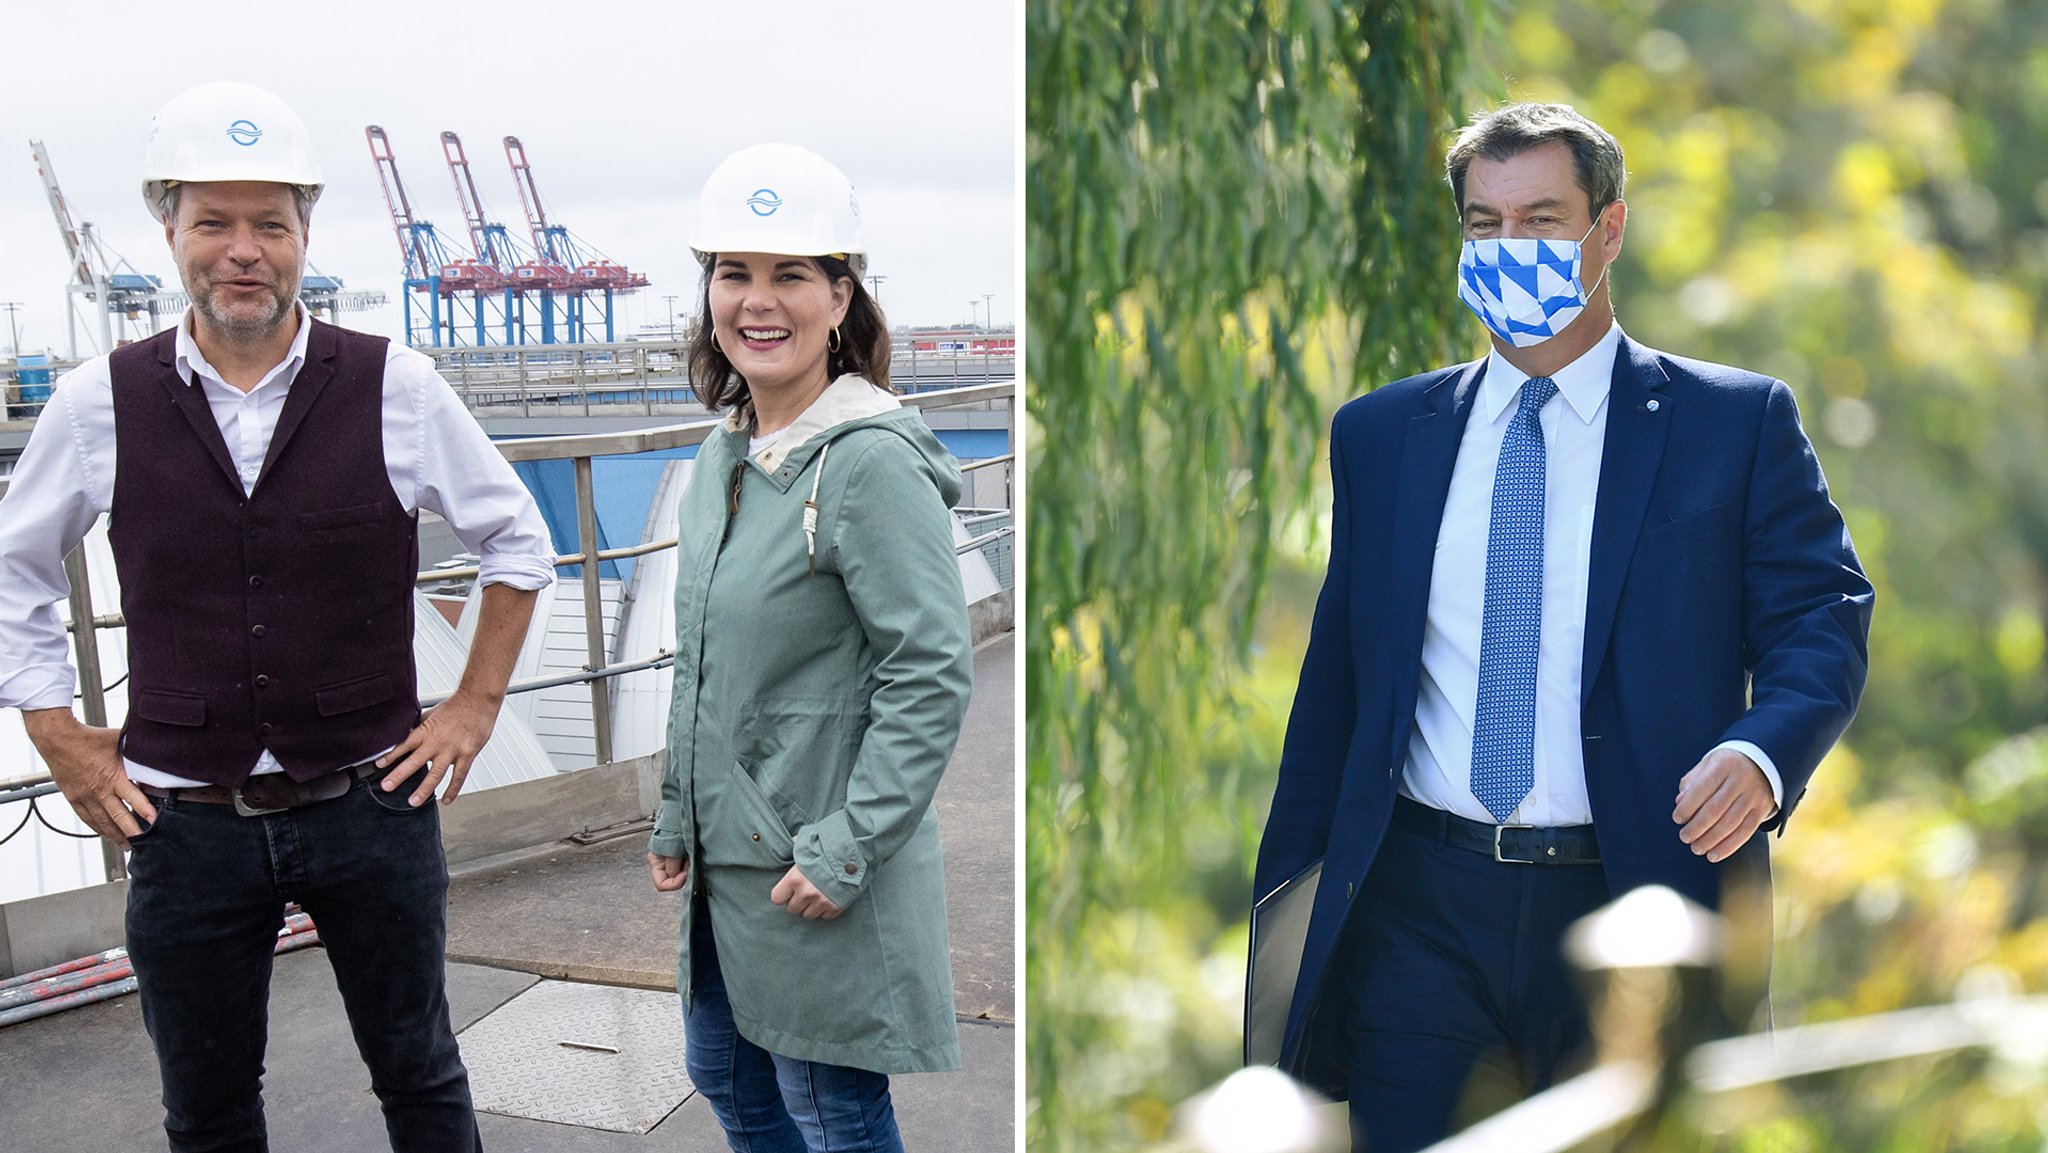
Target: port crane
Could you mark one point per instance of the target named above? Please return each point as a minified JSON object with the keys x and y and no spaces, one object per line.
{"x":592,"y":278}
{"x":496,"y":291}
{"x":431,"y":270}
{"x":496,"y":255}
{"x":102,"y":283}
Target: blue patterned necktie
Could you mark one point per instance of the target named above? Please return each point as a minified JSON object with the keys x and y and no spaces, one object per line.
{"x":1504,"y":729}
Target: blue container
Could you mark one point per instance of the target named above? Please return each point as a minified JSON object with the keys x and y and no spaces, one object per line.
{"x":33,"y":379}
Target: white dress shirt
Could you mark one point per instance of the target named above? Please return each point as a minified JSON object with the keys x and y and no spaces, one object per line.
{"x":435,"y":455}
{"x":1439,"y":768}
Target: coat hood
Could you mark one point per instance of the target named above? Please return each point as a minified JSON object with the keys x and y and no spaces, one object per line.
{"x":848,"y":404}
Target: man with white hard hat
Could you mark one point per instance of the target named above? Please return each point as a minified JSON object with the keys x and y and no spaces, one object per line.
{"x":263,"y":473}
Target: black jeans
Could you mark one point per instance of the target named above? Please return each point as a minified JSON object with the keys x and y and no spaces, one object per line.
{"x":206,"y":895}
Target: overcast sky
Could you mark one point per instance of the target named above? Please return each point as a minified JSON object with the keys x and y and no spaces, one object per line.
{"x":624,"y":107}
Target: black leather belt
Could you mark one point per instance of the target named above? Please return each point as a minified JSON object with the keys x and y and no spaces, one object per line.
{"x":270,"y":792}
{"x":1508,"y":844}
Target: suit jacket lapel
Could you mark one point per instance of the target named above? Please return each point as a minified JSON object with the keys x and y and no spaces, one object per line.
{"x":321,"y":349}
{"x":1638,"y":416}
{"x":1426,"y":464}
{"x":190,"y":401}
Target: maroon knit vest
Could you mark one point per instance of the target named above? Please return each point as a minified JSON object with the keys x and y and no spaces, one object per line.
{"x":279,"y":620}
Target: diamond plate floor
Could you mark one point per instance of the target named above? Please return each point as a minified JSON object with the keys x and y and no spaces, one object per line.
{"x":589,"y":1055}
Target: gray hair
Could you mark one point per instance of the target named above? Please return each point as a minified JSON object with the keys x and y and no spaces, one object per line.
{"x":1516,"y":128}
{"x":167,"y":193}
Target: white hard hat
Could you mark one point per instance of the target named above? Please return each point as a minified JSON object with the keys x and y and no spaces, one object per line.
{"x":782,"y":199}
{"x":227,"y":131}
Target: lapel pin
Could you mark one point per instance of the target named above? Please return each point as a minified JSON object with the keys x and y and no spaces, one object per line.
{"x":1653,"y":404}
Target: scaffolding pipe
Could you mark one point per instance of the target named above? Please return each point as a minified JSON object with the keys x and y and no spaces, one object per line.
{"x":66,"y":967}
{"x":593,"y":612}
{"x":90,"y":684}
{"x":106,"y":975}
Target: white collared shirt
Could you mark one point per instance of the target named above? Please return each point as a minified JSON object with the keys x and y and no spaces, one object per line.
{"x":1439,"y":768}
{"x":435,"y":456}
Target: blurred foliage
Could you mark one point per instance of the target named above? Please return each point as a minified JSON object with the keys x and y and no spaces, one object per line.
{"x":1209,"y":258}
{"x":1848,"y":194}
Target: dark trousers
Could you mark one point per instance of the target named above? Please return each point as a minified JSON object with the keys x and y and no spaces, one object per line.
{"x":206,"y":894}
{"x":1460,"y":998}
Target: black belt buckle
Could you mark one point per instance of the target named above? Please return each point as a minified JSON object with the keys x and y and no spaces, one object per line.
{"x":245,"y":809}
{"x":1497,"y":831}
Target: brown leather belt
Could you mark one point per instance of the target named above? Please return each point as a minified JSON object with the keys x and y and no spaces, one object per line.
{"x":270,"y":792}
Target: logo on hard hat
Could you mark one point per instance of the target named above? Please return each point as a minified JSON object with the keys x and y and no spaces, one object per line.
{"x":244,"y":133}
{"x":764,"y":202}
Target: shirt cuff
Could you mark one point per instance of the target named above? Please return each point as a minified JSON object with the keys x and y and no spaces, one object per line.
{"x":47,"y":686}
{"x":529,"y":573}
{"x":1763,"y":761}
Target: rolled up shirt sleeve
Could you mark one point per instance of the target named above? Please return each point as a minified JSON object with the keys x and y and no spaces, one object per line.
{"x":440,"y":460}
{"x":58,"y":489}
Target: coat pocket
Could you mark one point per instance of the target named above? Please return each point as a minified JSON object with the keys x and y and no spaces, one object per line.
{"x":799,"y":753}
{"x":737,"y":824}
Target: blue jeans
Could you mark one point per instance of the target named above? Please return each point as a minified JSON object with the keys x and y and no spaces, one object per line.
{"x":772,"y":1104}
{"x":206,"y":895}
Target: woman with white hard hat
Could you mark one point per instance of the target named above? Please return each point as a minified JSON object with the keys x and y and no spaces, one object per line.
{"x":822,"y":669}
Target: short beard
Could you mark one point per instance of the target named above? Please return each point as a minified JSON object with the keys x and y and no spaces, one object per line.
{"x":242,"y":329}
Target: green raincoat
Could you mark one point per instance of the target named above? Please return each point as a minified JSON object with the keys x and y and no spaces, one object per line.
{"x":820,"y":680}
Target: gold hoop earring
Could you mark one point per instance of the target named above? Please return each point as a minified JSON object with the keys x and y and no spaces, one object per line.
{"x":714,"y":345}
{"x":832,"y":345}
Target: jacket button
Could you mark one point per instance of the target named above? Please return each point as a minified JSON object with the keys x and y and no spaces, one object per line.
{"x":262,"y":682}
{"x":1348,"y":888}
{"x":757,"y":836}
{"x":256,"y":630}
{"x":851,"y":868}
{"x":255,"y":582}
{"x":264,"y":728}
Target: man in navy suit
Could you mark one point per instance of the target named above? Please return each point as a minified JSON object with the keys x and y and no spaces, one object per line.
{"x":1590,"y":622}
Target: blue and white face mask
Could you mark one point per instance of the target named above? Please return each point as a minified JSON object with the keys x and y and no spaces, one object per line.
{"x":1526,"y":289}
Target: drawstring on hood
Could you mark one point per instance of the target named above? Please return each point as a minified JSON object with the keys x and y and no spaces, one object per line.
{"x":848,"y":404}
{"x":811,"y":512}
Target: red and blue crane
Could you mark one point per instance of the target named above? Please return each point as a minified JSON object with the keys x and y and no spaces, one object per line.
{"x":473,"y":295}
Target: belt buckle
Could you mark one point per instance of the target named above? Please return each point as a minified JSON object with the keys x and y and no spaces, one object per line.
{"x":245,"y":809}
{"x":1497,"y":831}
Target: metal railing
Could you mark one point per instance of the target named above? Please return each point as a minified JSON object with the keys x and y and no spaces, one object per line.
{"x":1650,"y":961}
{"x":580,"y":450}
{"x":1626,"y":1098}
{"x":650,"y":376}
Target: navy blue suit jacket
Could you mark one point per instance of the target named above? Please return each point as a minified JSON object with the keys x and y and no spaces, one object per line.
{"x":1724,"y":602}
